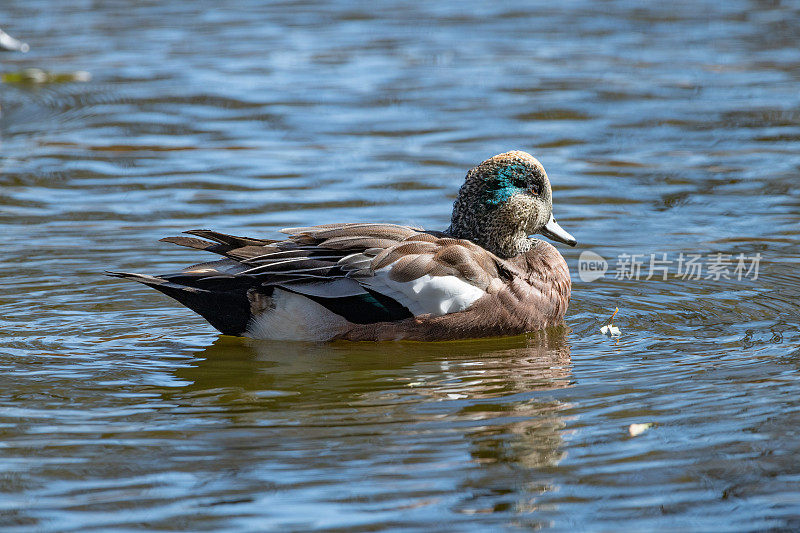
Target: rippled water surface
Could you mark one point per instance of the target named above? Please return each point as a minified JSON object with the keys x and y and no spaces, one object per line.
{"x":665,"y":127}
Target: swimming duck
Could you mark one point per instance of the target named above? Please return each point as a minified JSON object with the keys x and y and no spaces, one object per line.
{"x":483,"y":276}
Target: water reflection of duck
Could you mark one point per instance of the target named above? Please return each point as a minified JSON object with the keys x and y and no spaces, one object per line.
{"x":250,"y":379}
{"x":8,"y":43}
{"x":482,"y":277}
{"x":540,"y":361}
{"x":483,"y":414}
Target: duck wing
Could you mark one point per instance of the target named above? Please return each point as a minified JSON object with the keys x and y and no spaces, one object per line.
{"x":426,"y":272}
{"x":365,"y":273}
{"x":429,"y":274}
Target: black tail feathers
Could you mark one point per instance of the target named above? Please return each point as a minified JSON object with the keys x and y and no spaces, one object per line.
{"x":221,"y":300}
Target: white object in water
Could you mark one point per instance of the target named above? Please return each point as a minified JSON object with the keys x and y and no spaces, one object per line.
{"x":610,"y":330}
{"x":634,"y":430}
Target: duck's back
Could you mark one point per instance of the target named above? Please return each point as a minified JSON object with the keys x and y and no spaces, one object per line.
{"x":531,"y":292}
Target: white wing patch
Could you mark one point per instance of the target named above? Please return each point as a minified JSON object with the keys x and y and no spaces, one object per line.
{"x":435,"y":295}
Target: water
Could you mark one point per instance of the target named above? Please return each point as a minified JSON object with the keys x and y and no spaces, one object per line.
{"x":666,"y":128}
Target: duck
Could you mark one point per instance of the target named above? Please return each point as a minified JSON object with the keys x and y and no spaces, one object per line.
{"x":483,"y":276}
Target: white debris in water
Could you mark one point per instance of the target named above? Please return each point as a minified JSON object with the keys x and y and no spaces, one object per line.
{"x":610,"y":330}
{"x":637,"y":429}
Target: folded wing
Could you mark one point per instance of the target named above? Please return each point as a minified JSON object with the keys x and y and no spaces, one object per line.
{"x":365,"y":273}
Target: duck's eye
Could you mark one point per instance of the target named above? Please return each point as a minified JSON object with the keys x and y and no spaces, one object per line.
{"x":520,"y":183}
{"x":536,"y":188}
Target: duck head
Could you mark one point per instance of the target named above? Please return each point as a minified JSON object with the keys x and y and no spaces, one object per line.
{"x":503,"y":201}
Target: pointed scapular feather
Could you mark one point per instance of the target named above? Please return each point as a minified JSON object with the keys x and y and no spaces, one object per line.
{"x":355,"y":261}
{"x":302,"y":240}
{"x":390,"y":255}
{"x":424,"y":236}
{"x":278,"y":254}
{"x":347,"y":228}
{"x":189,"y":242}
{"x":379,"y":231}
{"x":230,"y":240}
{"x":416,"y":247}
{"x":279,"y":278}
{"x":240,"y":252}
{"x":411,"y":267}
{"x":355,"y":243}
{"x":276,"y":270}
{"x":294,"y":263}
{"x":313,"y":229}
{"x":360,"y":273}
{"x":453,"y":255}
{"x":223,"y":266}
{"x":246,"y":252}
{"x":470,"y":266}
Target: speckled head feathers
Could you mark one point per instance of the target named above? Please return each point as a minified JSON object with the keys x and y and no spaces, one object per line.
{"x":503,"y":200}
